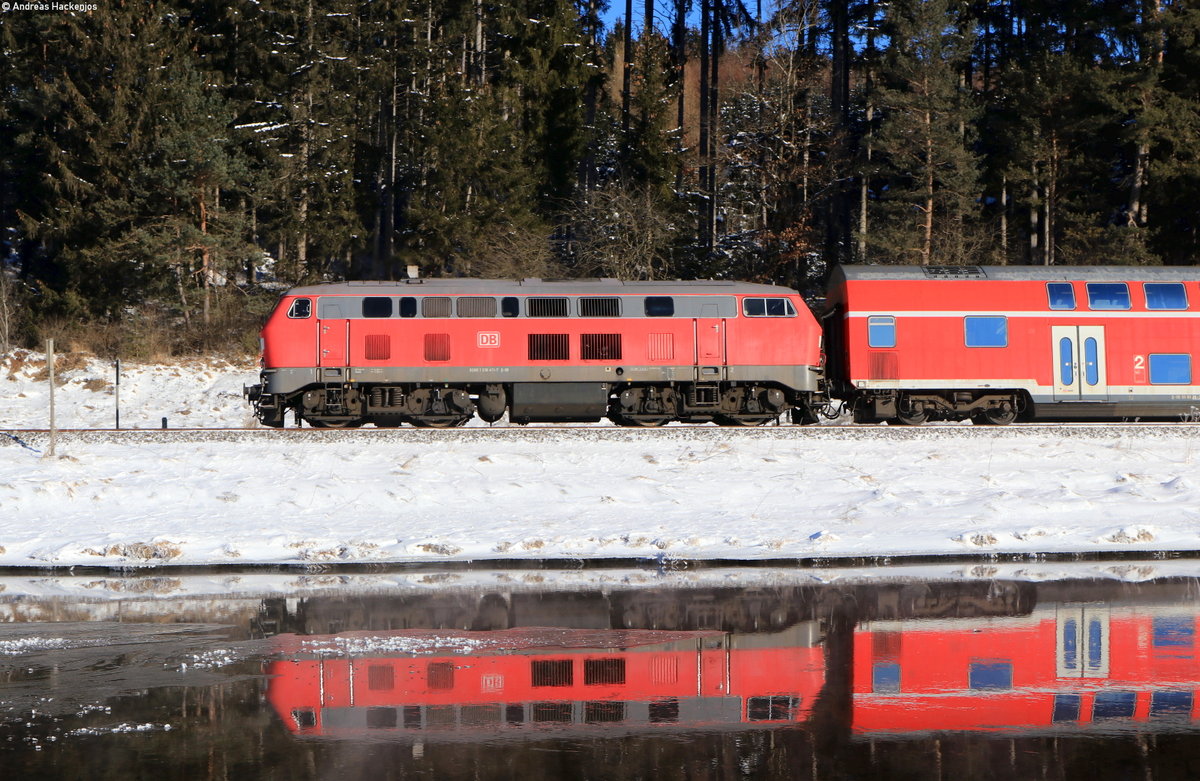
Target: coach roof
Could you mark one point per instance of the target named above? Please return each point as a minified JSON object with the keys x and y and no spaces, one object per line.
{"x":541,"y":287}
{"x":1018,"y":273}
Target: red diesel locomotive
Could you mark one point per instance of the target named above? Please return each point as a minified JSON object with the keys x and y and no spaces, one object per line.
{"x":901,"y":343}
{"x":435,"y":352}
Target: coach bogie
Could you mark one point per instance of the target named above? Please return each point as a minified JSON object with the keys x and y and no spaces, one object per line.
{"x":913,"y":408}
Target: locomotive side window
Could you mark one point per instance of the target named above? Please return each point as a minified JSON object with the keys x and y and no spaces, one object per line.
{"x":986,"y":331}
{"x":600,"y":307}
{"x":660,"y":306}
{"x":408,"y":306}
{"x":1108,"y":295}
{"x":768,"y":307}
{"x":301,"y":309}
{"x":881,"y":332}
{"x":1061,"y":294}
{"x":1165,"y":295}
{"x":377,"y":306}
{"x":1170,"y":369}
{"x":546,"y":307}
{"x":435,"y":306}
{"x":476,"y":306}
{"x":510,"y":306}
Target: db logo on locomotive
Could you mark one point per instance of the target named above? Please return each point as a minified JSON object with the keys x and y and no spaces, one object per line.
{"x":489,"y":338}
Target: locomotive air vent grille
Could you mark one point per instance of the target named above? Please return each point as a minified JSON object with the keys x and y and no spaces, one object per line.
{"x":381,"y":677}
{"x":554,"y":672}
{"x":954,"y":272}
{"x":881,"y":366}
{"x":437,"y":347}
{"x":435,"y":306}
{"x":600,"y":347}
{"x":476,"y":306}
{"x":546,"y":307}
{"x":662,"y":347}
{"x":378,"y":347}
{"x":664,"y":669}
{"x":600,"y":307}
{"x":600,"y":672}
{"x":603,"y":712}
{"x":552,"y":713}
{"x":440,"y":675}
{"x":549,"y":347}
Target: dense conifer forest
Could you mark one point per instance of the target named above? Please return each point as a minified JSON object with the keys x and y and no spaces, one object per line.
{"x":160,"y":160}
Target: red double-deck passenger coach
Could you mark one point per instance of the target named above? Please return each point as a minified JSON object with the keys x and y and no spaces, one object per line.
{"x":997,"y":344}
{"x":436,"y":352}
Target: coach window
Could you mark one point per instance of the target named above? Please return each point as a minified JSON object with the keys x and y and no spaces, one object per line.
{"x":1108,"y":295}
{"x":408,"y":306}
{"x":301,"y":309}
{"x":1170,"y":369}
{"x":986,"y":331}
{"x":510,"y":306}
{"x":1062,"y":295}
{"x":377,"y":306}
{"x":660,"y":306}
{"x":881,"y":331}
{"x":1165,"y":295}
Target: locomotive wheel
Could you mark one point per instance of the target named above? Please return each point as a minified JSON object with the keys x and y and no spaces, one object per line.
{"x":743,"y":420}
{"x":349,"y":423}
{"x":441,"y":421}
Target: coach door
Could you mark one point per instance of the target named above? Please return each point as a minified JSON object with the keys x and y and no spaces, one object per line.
{"x":709,"y":331}
{"x":332,"y":327}
{"x":1080,"y":373}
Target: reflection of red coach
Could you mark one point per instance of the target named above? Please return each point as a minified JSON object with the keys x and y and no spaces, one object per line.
{"x":1000,"y":343}
{"x":1064,"y":667}
{"x":436,"y":352}
{"x":426,"y":684}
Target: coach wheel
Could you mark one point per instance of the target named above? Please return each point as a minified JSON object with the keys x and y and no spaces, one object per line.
{"x":912,"y":417}
{"x":997,"y":416}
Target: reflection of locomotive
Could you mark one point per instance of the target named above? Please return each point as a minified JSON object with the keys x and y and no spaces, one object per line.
{"x":1067,"y":665}
{"x":426,"y":685}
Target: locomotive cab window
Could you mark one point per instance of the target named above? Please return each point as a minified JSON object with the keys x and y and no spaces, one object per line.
{"x":377,"y":306}
{"x":1165,"y":295}
{"x":1107,"y":296}
{"x":986,"y":331}
{"x":881,"y":332}
{"x":1061,"y":294}
{"x":768,"y":307}
{"x":660,"y":306}
{"x":301,"y":309}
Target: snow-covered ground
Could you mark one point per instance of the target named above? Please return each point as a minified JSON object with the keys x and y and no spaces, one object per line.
{"x":317,"y":497}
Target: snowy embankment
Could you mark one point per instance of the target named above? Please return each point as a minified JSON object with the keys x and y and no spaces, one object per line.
{"x":312,"y":497}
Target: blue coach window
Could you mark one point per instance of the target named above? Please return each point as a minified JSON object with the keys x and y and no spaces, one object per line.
{"x":986,"y":331}
{"x":1170,"y":369}
{"x":990,"y":675}
{"x":1165,"y":295}
{"x":1108,"y":295}
{"x":1061,"y":294}
{"x":881,"y":331}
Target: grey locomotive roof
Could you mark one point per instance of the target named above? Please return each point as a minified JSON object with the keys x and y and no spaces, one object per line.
{"x":538,"y":287}
{"x":1019,"y":273}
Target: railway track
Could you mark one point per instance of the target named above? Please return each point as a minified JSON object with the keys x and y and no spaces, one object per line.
{"x":38,"y":438}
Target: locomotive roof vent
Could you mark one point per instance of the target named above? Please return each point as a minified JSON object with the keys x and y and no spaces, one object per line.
{"x":954,"y":272}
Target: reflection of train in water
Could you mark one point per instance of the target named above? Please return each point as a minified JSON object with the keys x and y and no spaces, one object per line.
{"x":1065,"y":667}
{"x":439,"y":684}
